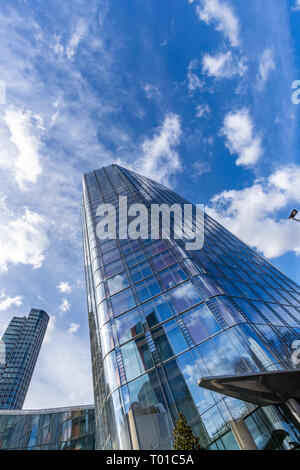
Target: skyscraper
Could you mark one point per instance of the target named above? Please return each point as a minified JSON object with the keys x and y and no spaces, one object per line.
{"x":162,"y":316}
{"x":20,"y":347}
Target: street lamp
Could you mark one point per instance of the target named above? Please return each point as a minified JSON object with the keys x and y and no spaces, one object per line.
{"x":293,"y":215}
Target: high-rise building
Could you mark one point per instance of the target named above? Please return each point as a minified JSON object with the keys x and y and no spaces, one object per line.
{"x":162,"y":317}
{"x":67,"y":428}
{"x":19,"y":350}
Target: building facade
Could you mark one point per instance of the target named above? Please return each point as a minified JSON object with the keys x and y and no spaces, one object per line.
{"x":71,"y":428}
{"x":161,"y":317}
{"x":19,"y":349}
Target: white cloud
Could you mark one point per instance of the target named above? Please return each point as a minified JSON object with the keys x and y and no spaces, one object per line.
{"x":70,"y":49}
{"x":50,"y":329}
{"x":64,"y":306}
{"x":160,"y":159}
{"x":238,"y":129}
{"x":64,"y":287}
{"x":76,"y":37}
{"x":266,"y":66}
{"x":222,"y":65}
{"x":151,"y":91}
{"x":194,"y":81}
{"x":199,"y":168}
{"x":23,"y":239}
{"x":251,"y":213}
{"x":221,"y":14}
{"x":73,"y":328}
{"x":202,"y":110}
{"x":6,"y":301}
{"x":23,"y":156}
{"x":296,"y":7}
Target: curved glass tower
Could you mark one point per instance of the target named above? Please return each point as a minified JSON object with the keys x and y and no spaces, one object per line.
{"x":161,"y":317}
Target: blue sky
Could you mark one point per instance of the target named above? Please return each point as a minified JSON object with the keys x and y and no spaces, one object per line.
{"x":195,"y":94}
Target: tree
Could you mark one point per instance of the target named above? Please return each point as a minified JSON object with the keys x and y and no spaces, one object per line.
{"x":184,"y":438}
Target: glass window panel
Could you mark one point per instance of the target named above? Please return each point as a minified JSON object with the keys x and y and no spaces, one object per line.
{"x":156,"y":247}
{"x":250,"y":341}
{"x":168,"y":340}
{"x":147,"y":289}
{"x":121,"y":438}
{"x":107,"y":343}
{"x":117,"y":283}
{"x":111,"y":256}
{"x":122,"y":302}
{"x":163,"y":260}
{"x":129,"y":245}
{"x":136,"y":357}
{"x":229,"y":287}
{"x":213,"y":422}
{"x":128,"y":326}
{"x":135,"y":258}
{"x":285,"y":316}
{"x":175,"y":337}
{"x":150,"y":411}
{"x":99,"y":293}
{"x":140,"y":271}
{"x":157,"y":311}
{"x":108,"y":245}
{"x":293,"y":311}
{"x":102,"y":312}
{"x":114,"y":268}
{"x":246,"y":290}
{"x":111,"y":372}
{"x":200,"y":323}
{"x":227,"y":310}
{"x":262,"y":293}
{"x":162,"y":344}
{"x":268,"y":314}
{"x":276,"y":341}
{"x":207,"y":286}
{"x":212,"y":359}
{"x":173,"y":276}
{"x":249,"y":311}
{"x":203,"y":398}
{"x":180,"y":391}
{"x":184,"y":296}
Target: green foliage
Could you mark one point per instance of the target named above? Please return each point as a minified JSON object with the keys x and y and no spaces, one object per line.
{"x":184,"y":438}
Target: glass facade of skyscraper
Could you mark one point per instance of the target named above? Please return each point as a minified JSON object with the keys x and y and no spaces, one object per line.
{"x":20,"y":347}
{"x":161,"y":317}
{"x":71,"y":428}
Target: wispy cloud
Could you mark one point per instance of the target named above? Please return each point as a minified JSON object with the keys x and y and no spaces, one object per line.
{"x":23,"y":238}
{"x":64,"y":287}
{"x":6,"y":301}
{"x":221,"y":14}
{"x":199,"y":168}
{"x":73,"y":328}
{"x":193,"y":80}
{"x":22,"y":157}
{"x":70,"y":48}
{"x":223,"y":65}
{"x":238,"y":129}
{"x":252,"y":213}
{"x":296,"y":6}
{"x":64,"y":306}
{"x":202,"y":110}
{"x":160,"y":159}
{"x":266,"y":66}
